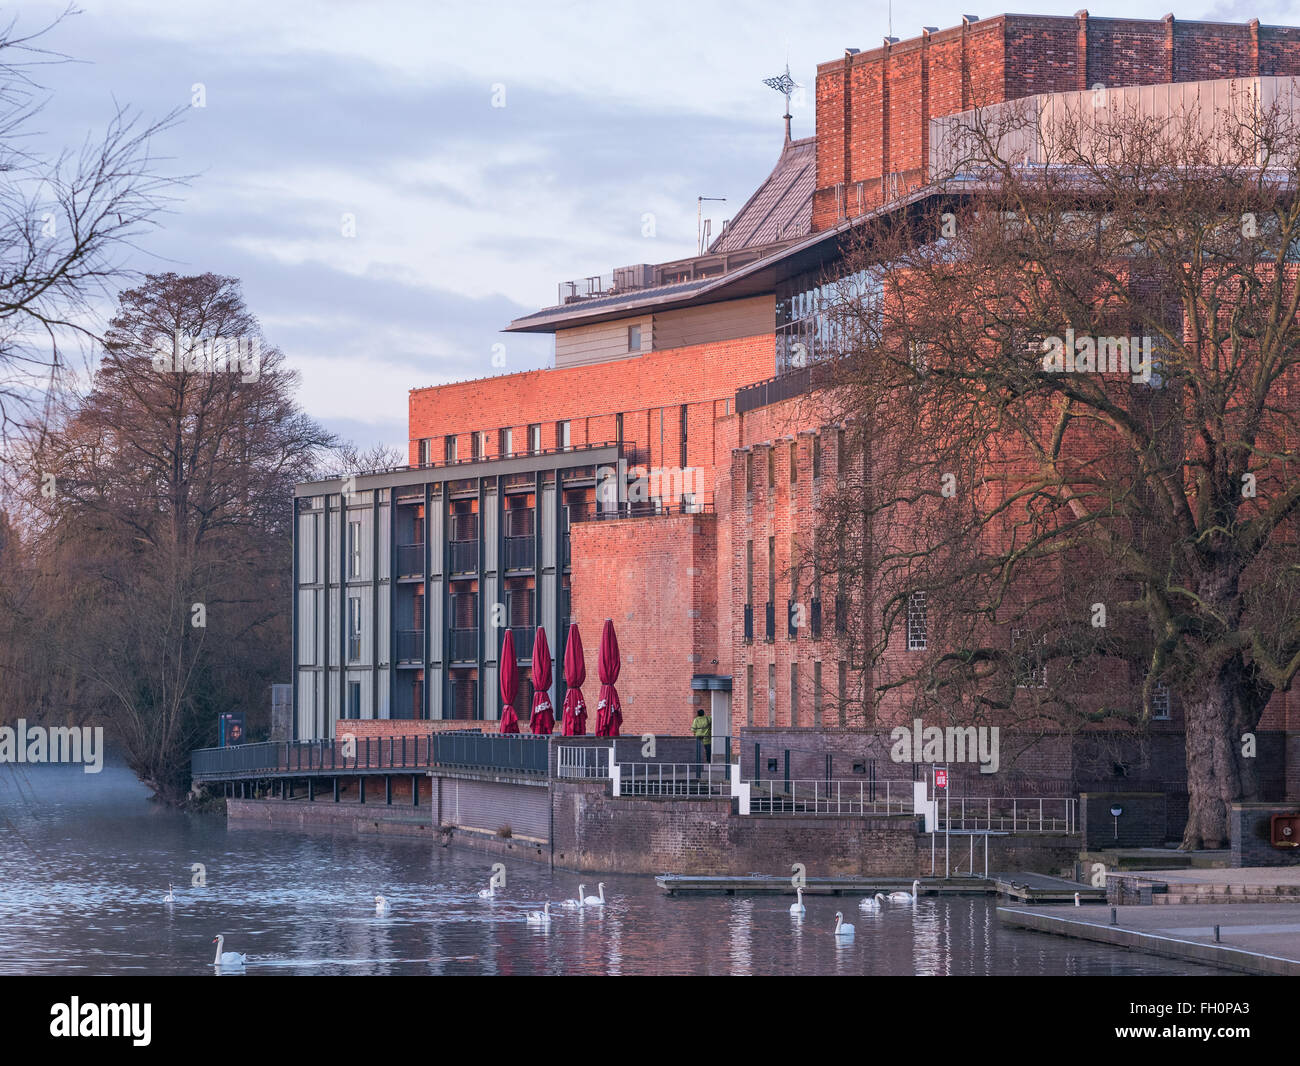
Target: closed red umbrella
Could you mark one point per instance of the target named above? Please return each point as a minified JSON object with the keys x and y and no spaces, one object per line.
{"x":575,"y":673}
{"x":609,"y":711}
{"x":543,"y":716}
{"x":509,"y":685}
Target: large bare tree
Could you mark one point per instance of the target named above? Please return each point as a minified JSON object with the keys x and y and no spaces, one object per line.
{"x":1076,"y":540}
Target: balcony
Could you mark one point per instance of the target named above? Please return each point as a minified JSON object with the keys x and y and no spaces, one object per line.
{"x":410,"y":645}
{"x":463,"y":645}
{"x":749,"y":623}
{"x":524,"y":637}
{"x":410,"y":560}
{"x":521,"y":553}
{"x":769,"y":621}
{"x":463,"y":557}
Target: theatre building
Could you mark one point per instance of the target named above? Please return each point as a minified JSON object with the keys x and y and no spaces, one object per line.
{"x":664,"y":471}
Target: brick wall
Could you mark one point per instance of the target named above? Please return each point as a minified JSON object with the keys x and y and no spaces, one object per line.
{"x":1250,"y":829}
{"x":873,"y":109}
{"x":1141,"y":825}
{"x":655,"y":577}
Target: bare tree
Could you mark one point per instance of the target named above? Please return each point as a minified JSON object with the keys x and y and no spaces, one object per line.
{"x":1068,"y":526}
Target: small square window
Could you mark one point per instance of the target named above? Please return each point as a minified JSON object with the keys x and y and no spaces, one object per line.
{"x":633,"y":338}
{"x":1160,"y":702}
{"x":917,"y":628}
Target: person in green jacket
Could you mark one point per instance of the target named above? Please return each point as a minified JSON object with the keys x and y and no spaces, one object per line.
{"x":702,"y":730}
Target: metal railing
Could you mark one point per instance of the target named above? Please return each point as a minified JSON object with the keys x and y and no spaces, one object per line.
{"x":583,"y":762}
{"x":637,"y":509}
{"x":462,"y":645}
{"x":850,"y":796}
{"x":674,"y":779}
{"x":521,"y":553}
{"x":463,"y":556}
{"x":410,"y":645}
{"x":522,"y":753}
{"x":410,"y":560}
{"x":1007,"y":814}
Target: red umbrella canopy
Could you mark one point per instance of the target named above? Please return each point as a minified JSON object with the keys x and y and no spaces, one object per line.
{"x":543,"y":716}
{"x":575,"y":673}
{"x":609,"y":710}
{"x":509,"y":684}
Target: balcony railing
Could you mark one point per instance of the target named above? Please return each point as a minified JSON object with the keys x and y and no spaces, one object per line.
{"x":463,"y":645}
{"x":464,"y":556}
{"x":410,"y":645}
{"x":410,"y":560}
{"x":592,"y":512}
{"x":521,"y":553}
{"x":524,"y":637}
{"x":769,"y":621}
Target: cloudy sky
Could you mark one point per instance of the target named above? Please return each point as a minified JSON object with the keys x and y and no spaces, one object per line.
{"x":467,"y":214}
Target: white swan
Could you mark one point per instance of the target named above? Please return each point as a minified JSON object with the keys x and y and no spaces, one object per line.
{"x":381,"y":905}
{"x":542,"y":917}
{"x":843,"y":931}
{"x":571,"y":903}
{"x":233,"y":959}
{"x":170,"y":897}
{"x":872,"y":903}
{"x":798,"y":908}
{"x":595,"y":901}
{"x":489,"y":892}
{"x":905,"y":897}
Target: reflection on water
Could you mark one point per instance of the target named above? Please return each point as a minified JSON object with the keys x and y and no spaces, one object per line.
{"x":85,"y":861}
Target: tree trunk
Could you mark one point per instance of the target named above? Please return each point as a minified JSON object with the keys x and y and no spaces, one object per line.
{"x":1217,"y":773}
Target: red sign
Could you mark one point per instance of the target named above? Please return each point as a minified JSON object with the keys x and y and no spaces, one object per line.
{"x":941,"y":779}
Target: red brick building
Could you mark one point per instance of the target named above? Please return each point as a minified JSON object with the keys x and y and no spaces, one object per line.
{"x":691,"y":472}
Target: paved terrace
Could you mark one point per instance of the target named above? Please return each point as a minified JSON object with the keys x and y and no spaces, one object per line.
{"x":1258,"y":938}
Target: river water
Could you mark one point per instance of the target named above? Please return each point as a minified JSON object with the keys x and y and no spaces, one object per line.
{"x":85,"y":861}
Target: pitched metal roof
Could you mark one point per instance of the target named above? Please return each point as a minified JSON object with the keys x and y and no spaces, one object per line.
{"x":781,"y":208}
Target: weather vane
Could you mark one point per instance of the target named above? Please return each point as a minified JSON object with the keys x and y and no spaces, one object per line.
{"x":785,"y":85}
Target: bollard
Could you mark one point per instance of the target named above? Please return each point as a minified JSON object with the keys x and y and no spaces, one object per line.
{"x":1216,"y":934}
{"x":1114,"y":917}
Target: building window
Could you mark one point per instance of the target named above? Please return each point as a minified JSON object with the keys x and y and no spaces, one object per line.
{"x":917,"y":629}
{"x":424,"y":452}
{"x":633,"y":338}
{"x":771,"y":695}
{"x":817,"y":457}
{"x":749,"y":571}
{"x":478,"y":444}
{"x":817,"y":694}
{"x":771,"y":569}
{"x":794,"y":462}
{"x":535,"y":438}
{"x":354,"y":700}
{"x":1160,"y":702}
{"x":771,"y":466}
{"x":505,"y":441}
{"x":449,"y":447}
{"x":682,"y":463}
{"x":354,"y":628}
{"x":844,"y":692}
{"x":354,"y":549}
{"x":749,"y":695}
{"x":794,"y":695}
{"x":618,"y":428}
{"x":749,"y":474}
{"x":562,"y":436}
{"x":918,"y":356}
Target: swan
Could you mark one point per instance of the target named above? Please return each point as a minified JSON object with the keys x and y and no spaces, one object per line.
{"x":797,"y":908}
{"x":489,"y":892}
{"x":595,"y":901}
{"x":905,"y":897}
{"x":575,"y":902}
{"x":170,"y":897}
{"x":872,"y":903}
{"x":1076,"y":900}
{"x":233,"y":959}
{"x":542,"y":917}
{"x":381,"y":905}
{"x":843,"y":931}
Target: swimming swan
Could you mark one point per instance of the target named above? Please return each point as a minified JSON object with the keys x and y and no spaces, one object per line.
{"x":844,"y":932}
{"x":575,"y":902}
{"x":489,"y":892}
{"x":233,"y":959}
{"x":595,"y":901}
{"x":905,"y":897}
{"x":170,"y":897}
{"x":872,"y":903}
{"x":381,"y":905}
{"x":798,"y":908}
{"x":542,"y":917}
